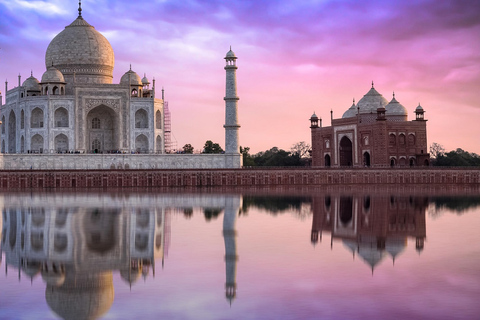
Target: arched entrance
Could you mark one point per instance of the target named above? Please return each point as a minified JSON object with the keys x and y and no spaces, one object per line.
{"x":327,"y":160}
{"x":141,"y":144}
{"x":346,"y":158}
{"x":366,"y":159}
{"x":36,"y":144}
{"x":61,"y":143}
{"x":12,"y":133}
{"x":103,"y":130}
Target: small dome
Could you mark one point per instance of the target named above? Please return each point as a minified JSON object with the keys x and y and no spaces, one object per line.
{"x":52,"y":75}
{"x":351,"y":112}
{"x":230,"y":54}
{"x":132,"y":78}
{"x":314,"y":116}
{"x":32,"y":84}
{"x":394,"y":108}
{"x":145,"y":80}
{"x":419,"y":108}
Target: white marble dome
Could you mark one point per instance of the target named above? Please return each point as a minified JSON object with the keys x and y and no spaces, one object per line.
{"x":132,"y":78}
{"x":394,"y":108}
{"x":368,"y":104}
{"x":82,"y":50}
{"x":52,"y":75}
{"x":32,"y":84}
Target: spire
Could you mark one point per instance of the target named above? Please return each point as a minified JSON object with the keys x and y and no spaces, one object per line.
{"x":80,"y":9}
{"x":393,"y":94}
{"x":372,"y":84}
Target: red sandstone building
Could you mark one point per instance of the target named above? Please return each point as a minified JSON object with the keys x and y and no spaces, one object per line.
{"x":371,"y":133}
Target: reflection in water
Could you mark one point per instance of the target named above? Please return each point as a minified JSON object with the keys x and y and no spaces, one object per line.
{"x":80,"y":244}
{"x":76,"y":251}
{"x":371,"y":227}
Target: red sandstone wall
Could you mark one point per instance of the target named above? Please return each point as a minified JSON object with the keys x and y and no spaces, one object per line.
{"x":232,"y":178}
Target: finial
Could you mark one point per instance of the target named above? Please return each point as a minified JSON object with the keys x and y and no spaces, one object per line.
{"x":31,"y":73}
{"x":372,"y":84}
{"x":130,"y":67}
{"x":144,"y":74}
{"x":79,"y":8}
{"x":394,"y":94}
{"x":354,"y":101}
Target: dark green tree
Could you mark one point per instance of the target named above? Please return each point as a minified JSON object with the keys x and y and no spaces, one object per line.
{"x":248,"y":160}
{"x":188,"y":148}
{"x":211,"y":147}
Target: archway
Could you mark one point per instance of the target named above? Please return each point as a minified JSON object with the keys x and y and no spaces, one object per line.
{"x":61,"y":118}
{"x":346,"y":158}
{"x":158,"y":120}
{"x":392,"y":162}
{"x":101,"y":230}
{"x":36,"y":120}
{"x":141,"y":119}
{"x":22,"y":145}
{"x":366,"y":159}
{"x":103,"y":130}
{"x":412,"y":162}
{"x":327,"y":160}
{"x":36,"y":144}
{"x":159,"y":144}
{"x":61,"y":143}
{"x":12,"y":133}
{"x":141,"y":144}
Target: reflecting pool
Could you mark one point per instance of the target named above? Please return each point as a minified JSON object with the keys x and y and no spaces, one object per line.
{"x":242,"y":255}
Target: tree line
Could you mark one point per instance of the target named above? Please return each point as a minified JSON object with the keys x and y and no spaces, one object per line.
{"x":454,"y":158}
{"x":298,"y":155}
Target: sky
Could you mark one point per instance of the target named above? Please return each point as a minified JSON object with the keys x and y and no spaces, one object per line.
{"x":294,"y":58}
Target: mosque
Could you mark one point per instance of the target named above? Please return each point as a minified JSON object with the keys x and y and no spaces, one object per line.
{"x":75,"y":108}
{"x":372,"y":133}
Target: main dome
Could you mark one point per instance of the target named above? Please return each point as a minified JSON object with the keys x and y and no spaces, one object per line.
{"x":83,"y":51}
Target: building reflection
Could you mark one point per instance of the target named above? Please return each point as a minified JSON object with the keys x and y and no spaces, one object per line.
{"x":372,"y":227}
{"x":77,"y":243}
{"x":76,"y":250}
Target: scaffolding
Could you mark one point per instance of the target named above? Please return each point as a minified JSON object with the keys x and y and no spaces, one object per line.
{"x":170,"y":144}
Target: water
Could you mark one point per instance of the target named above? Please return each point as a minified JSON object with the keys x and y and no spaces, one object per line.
{"x":270,"y":255}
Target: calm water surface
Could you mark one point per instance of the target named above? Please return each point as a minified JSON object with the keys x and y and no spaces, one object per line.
{"x":320,"y":255}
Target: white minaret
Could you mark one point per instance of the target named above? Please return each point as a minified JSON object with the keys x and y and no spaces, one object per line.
{"x":231,"y":113}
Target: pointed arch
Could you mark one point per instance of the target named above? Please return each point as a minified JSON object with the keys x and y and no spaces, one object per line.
{"x":61,"y":118}
{"x":37,"y":144}
{"x":61,"y":143}
{"x":158,"y":144}
{"x":158,"y":120}
{"x":36,"y":119}
{"x":346,"y":149}
{"x":141,"y":119}
{"x":327,"y":161}
{"x":141,"y":144}
{"x":12,"y":133}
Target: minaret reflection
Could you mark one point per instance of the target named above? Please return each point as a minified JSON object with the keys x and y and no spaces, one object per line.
{"x":370,"y":226}
{"x":232,"y":206}
{"x":76,"y":250}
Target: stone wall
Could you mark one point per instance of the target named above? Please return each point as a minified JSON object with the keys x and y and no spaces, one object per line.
{"x":118,"y":161}
{"x":226,"y":178}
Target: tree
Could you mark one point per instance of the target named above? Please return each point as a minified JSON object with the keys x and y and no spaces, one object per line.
{"x":436,"y":150}
{"x":248,"y":160}
{"x":188,"y":148}
{"x":457,"y":158}
{"x":301,"y":148}
{"x":211,"y":147}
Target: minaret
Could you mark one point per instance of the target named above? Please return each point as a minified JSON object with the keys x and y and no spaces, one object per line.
{"x":231,"y":113}
{"x":232,"y":206}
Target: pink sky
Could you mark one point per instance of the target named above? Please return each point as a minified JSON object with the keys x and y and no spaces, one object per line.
{"x":294,"y":58}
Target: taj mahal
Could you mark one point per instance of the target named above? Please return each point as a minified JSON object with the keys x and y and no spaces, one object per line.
{"x":77,"y":111}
